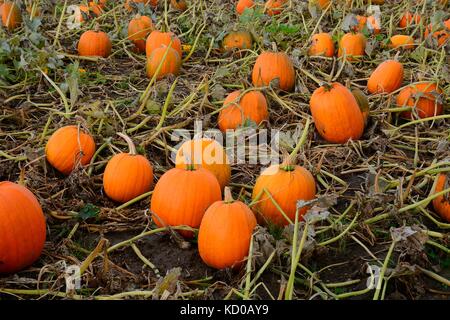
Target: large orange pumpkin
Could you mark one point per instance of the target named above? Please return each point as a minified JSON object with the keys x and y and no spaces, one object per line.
{"x":10,"y":14}
{"x":336,"y":113}
{"x":409,"y":19}
{"x":225,"y":233}
{"x":69,"y":147}
{"x":270,"y":66}
{"x":386,"y":78}
{"x":321,"y":45}
{"x":274,"y":7}
{"x":286,"y":184}
{"x":169,"y":65}
{"x":237,"y":40}
{"x":138,"y":30}
{"x":156,"y":39}
{"x":129,"y":6}
{"x":442,"y":203}
{"x":206,"y":153}
{"x":353,"y":45}
{"x":244,"y":4}
{"x":94,"y":43}
{"x":181,"y":197}
{"x":422,"y":97}
{"x":22,"y":228}
{"x":127,"y":175}
{"x":401,"y":41}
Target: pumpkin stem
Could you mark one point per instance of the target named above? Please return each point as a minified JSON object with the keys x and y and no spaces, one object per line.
{"x":328,"y":86}
{"x":274,"y":47}
{"x":289,"y":161}
{"x":228,"y":197}
{"x":137,"y":16}
{"x":189,"y":165}
{"x":131,"y":146}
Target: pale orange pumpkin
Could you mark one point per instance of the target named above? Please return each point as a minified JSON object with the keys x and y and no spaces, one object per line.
{"x":138,"y":30}
{"x":237,"y":41}
{"x":401,"y":41}
{"x":156,"y":39}
{"x":352,"y":45}
{"x":321,"y":45}
{"x":274,"y":66}
{"x":274,"y":7}
{"x":441,"y":204}
{"x":422,"y":97}
{"x":386,"y":78}
{"x":94,"y":43}
{"x":11,"y":15}
{"x":170,"y":64}
{"x":244,"y":4}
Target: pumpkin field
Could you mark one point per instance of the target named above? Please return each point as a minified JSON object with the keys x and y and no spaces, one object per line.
{"x":225,"y":149}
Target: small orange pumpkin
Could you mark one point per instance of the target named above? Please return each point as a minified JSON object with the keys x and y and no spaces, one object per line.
{"x":94,"y":43}
{"x":322,"y":45}
{"x":270,"y":66}
{"x":181,"y":197}
{"x":179,"y":5}
{"x":353,"y":45}
{"x":422,"y":97}
{"x":409,"y":19}
{"x":129,"y":6}
{"x":274,"y":7}
{"x":441,"y":35}
{"x":68,"y":147}
{"x":401,"y":41}
{"x":156,"y":39}
{"x":244,"y":4}
{"x":171,"y":64}
{"x":206,"y":153}
{"x":11,"y":16}
{"x":251,"y":106}
{"x":336,"y":113}
{"x":138,"y":30}
{"x":237,"y":40}
{"x":127,"y":175}
{"x":91,"y":11}
{"x":22,"y":228}
{"x":225,"y":233}
{"x":386,"y":78}
{"x":442,"y":203}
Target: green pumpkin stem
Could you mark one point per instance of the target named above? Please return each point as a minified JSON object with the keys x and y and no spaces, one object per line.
{"x":289,"y":161}
{"x":132,"y":148}
{"x":228,"y":197}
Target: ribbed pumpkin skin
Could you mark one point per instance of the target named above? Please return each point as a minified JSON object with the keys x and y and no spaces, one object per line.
{"x":401,"y":41}
{"x":322,"y":45}
{"x":274,"y":65}
{"x":153,"y":3}
{"x":274,"y":7}
{"x":237,"y":40}
{"x":22,"y":228}
{"x":440,"y":204}
{"x":386,"y":78}
{"x":127,"y":176}
{"x":353,"y":45}
{"x":181,"y":197}
{"x":62,"y":148}
{"x":225,"y":233}
{"x":180,"y":5}
{"x":170,"y":65}
{"x":286,"y":187}
{"x":206,"y":153}
{"x":252,"y":106}
{"x":244,"y":4}
{"x":156,"y":39}
{"x":94,"y":43}
{"x":426,"y":105}
{"x":336,"y":114}
{"x":11,"y":11}
{"x":409,"y":19}
{"x":138,"y":30}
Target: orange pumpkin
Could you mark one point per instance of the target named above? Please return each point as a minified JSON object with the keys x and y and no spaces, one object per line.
{"x":94,"y":43}
{"x":11,"y":16}
{"x":401,"y":41}
{"x":138,"y":30}
{"x":442,"y":203}
{"x":171,"y":64}
{"x":225,"y":233}
{"x":156,"y":39}
{"x":237,"y":40}
{"x":179,"y":5}
{"x":22,"y":228}
{"x":321,"y":45}
{"x":286,"y":184}
{"x":69,"y":147}
{"x":336,"y":113}
{"x":251,"y":106}
{"x":362,"y":21}
{"x":206,"y":153}
{"x":244,"y":4}
{"x":274,"y":7}
{"x":363,"y":104}
{"x":441,"y":35}
{"x":91,"y":11}
{"x":353,"y":45}
{"x":129,"y":6}
{"x":181,"y":197}
{"x":270,"y":66}
{"x":422,"y":97}
{"x":386,"y":78}
{"x":409,"y":19}
{"x":127,"y":175}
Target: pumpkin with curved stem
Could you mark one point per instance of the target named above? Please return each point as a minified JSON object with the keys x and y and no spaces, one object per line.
{"x":225,"y":233}
{"x":181,"y":197}
{"x":94,"y":43}
{"x":274,"y":66}
{"x":363,"y":104}
{"x":244,"y":4}
{"x":179,"y":5}
{"x":138,"y":30}
{"x":353,"y":45}
{"x":322,"y":45}
{"x":409,"y":19}
{"x":22,"y":228}
{"x":336,"y":113}
{"x":237,"y":110}
{"x":422,"y":97}
{"x":386,"y":78}
{"x":401,"y":41}
{"x":156,"y":39}
{"x":441,"y":204}
{"x":274,"y":7}
{"x":237,"y":40}
{"x":206,"y":153}
{"x":129,"y":6}
{"x":170,"y":64}
{"x":10,"y":14}
{"x":127,"y":175}
{"x":69,"y":147}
